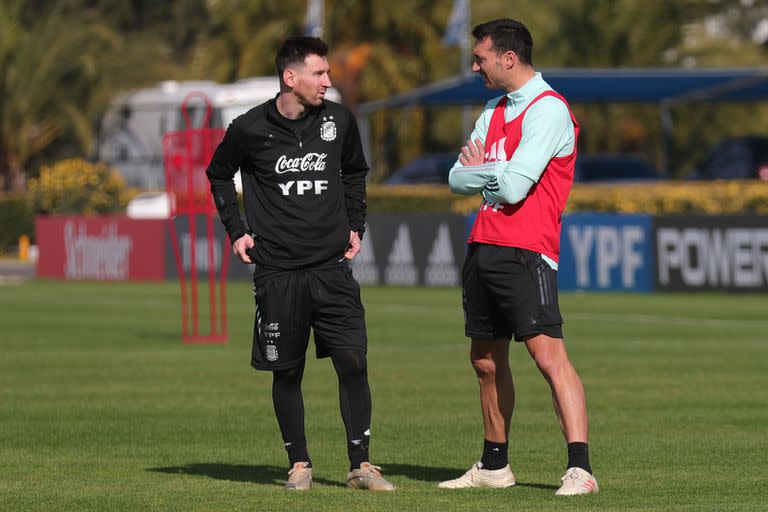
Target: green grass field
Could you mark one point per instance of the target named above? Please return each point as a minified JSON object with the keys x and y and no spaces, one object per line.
{"x":103,"y":408}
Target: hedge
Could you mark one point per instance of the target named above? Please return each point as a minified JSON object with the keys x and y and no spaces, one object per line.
{"x":16,"y":219}
{"x":674,"y":197}
{"x":655,"y":198}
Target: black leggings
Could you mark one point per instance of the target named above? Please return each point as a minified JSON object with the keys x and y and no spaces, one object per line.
{"x":354,"y":401}
{"x":289,"y":409}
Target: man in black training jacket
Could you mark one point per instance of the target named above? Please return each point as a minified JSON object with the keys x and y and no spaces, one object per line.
{"x":303,"y":173}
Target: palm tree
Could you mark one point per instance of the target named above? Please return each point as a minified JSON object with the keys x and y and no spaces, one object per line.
{"x":380,"y":50}
{"x":57,"y":74}
{"x":241,"y":37}
{"x":376,"y":50}
{"x":46,"y":73}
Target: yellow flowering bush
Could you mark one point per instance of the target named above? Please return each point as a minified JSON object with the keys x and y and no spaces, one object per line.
{"x":76,"y":186}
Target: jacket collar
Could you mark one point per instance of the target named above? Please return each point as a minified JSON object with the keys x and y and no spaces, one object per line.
{"x":309,"y":119}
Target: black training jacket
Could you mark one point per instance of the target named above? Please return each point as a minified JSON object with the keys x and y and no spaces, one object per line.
{"x":303,"y":183}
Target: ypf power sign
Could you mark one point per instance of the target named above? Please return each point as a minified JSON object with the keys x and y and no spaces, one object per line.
{"x":724,"y":253}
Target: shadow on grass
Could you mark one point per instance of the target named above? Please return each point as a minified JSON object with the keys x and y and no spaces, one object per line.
{"x":436,"y":474}
{"x":421,"y":473}
{"x":274,"y":475}
{"x":238,"y":473}
{"x":538,"y":486}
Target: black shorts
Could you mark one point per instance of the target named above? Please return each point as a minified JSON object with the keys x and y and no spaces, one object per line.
{"x":508,"y":291}
{"x":290,"y":302}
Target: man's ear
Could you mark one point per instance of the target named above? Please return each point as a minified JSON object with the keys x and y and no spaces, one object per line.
{"x":509,"y":59}
{"x":289,"y":77}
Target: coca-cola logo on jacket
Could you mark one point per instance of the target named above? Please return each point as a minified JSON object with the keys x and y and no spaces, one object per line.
{"x":308,"y":162}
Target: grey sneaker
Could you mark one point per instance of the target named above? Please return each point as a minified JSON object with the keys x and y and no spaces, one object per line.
{"x":299,"y":477}
{"x":368,"y":476}
{"x":577,"y":481}
{"x":479,"y":477}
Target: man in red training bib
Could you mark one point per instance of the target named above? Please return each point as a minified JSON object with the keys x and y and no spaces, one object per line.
{"x":520,"y":157}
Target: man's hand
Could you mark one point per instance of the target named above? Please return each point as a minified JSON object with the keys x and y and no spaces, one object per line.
{"x":354,"y":245}
{"x":472,"y":153}
{"x":241,"y":246}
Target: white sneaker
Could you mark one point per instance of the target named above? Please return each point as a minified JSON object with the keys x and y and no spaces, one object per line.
{"x":299,"y":477}
{"x":577,"y":481}
{"x":479,"y":477}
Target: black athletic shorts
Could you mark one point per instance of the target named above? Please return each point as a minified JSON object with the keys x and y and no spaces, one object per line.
{"x":508,"y":291}
{"x":290,"y":302}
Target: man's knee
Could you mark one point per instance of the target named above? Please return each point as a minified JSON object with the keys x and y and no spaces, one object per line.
{"x":552,"y":364}
{"x":484,"y":365}
{"x":288,"y":375}
{"x":488,"y":357}
{"x":350,"y":363}
{"x":550,"y":369}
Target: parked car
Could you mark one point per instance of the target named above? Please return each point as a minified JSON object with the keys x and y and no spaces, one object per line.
{"x":429,"y":168}
{"x":434,"y":168}
{"x":735,"y":158}
{"x":614,"y":167}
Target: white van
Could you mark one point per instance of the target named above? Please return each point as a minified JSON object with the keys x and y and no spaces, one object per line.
{"x":131,"y":132}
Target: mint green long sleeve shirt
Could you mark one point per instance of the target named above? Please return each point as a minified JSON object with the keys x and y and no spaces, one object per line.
{"x":547,"y":132}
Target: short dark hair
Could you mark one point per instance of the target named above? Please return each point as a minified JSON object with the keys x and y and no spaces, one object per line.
{"x":507,"y":35}
{"x":295,"y":49}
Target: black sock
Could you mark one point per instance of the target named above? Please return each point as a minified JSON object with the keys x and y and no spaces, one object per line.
{"x":578,"y":456}
{"x":357,"y":449}
{"x":297,"y":452}
{"x":495,"y":455}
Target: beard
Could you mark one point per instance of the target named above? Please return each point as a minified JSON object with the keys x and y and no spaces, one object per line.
{"x":313,"y":100}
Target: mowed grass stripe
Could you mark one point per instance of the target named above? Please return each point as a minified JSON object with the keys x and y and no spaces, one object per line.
{"x":103,"y":408}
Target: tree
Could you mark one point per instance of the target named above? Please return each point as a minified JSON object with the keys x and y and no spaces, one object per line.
{"x":381,"y":51}
{"x":684,"y":33}
{"x":376,"y":50}
{"x":242,"y":37}
{"x":58,"y":72}
{"x":46,"y":73}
